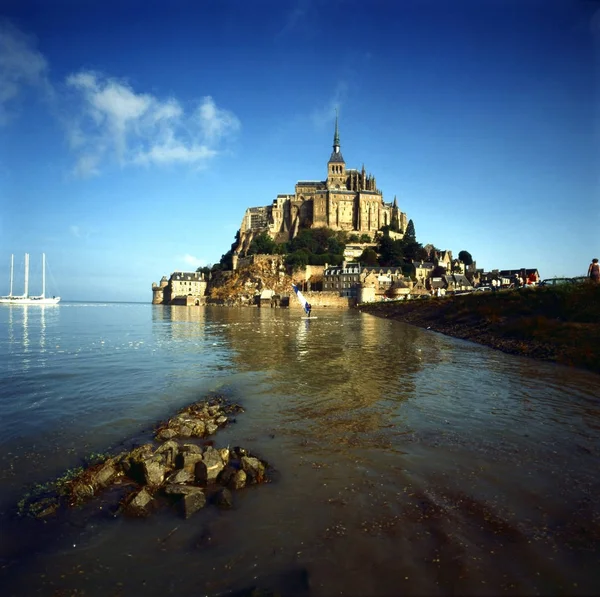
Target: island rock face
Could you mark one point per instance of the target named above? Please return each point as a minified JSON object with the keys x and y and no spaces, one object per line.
{"x":181,"y":469}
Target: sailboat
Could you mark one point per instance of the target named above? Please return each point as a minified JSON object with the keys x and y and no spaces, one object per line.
{"x":25,"y":299}
{"x":305,"y":304}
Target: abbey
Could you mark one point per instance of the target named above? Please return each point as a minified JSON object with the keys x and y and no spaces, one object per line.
{"x":348,"y":200}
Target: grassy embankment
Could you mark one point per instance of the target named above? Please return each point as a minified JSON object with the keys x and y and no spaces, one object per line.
{"x":560,"y":324}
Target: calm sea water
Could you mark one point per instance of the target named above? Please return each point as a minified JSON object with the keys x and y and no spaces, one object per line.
{"x":407,"y":462}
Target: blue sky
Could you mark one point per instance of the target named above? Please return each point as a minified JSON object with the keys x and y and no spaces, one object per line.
{"x":133,"y":135}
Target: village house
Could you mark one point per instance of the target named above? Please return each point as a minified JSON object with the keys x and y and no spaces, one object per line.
{"x":349,"y":278}
{"x":423,"y":270}
{"x":342,"y":278}
{"x":182,"y":288}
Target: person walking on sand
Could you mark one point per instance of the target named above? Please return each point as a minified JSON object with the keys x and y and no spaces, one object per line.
{"x":594,"y":271}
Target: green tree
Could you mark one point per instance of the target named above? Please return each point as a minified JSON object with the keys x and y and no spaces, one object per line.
{"x":391,"y":252}
{"x":297,"y":259}
{"x":320,"y":238}
{"x":414,"y":251}
{"x":368,"y":257}
{"x":409,"y":234}
{"x":465,"y":257}
{"x":365,"y":238}
{"x":335,"y":246}
{"x":438,"y":271}
{"x":303,"y":240}
{"x":204,"y":270}
{"x":226,"y":262}
{"x":353,"y":238}
{"x":263,"y":244}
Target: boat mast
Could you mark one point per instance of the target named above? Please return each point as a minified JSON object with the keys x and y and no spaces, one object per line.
{"x":26,"y":275}
{"x":43,"y":275}
{"x":12,"y":262}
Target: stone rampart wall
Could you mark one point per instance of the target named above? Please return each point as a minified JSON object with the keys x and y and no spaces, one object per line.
{"x":324,"y":300}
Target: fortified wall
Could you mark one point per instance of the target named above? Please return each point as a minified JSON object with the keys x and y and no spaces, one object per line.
{"x":324,"y":300}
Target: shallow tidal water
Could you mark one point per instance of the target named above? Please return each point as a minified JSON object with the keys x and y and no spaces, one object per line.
{"x":406,"y":462}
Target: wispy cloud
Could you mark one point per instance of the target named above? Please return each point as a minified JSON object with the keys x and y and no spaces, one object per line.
{"x":22,"y":66}
{"x":294,"y":17}
{"x":106,"y":119}
{"x":325,"y":114}
{"x":117,"y":123}
{"x":191,"y":261}
{"x":78,"y":231}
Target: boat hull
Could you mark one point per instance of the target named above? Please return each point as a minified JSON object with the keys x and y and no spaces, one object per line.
{"x":29,"y":300}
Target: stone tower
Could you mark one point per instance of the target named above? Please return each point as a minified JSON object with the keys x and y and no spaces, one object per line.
{"x":336,"y":167}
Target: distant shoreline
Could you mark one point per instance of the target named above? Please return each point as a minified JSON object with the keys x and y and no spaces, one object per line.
{"x":559,"y":325}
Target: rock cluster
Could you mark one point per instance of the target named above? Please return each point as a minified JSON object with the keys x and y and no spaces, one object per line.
{"x":189,"y":476}
{"x":178,"y":471}
{"x":199,"y":419}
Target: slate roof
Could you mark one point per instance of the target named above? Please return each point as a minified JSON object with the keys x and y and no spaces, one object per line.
{"x":337,"y":157}
{"x":192,"y":276}
{"x":379,"y":269}
{"x":462,"y":280}
{"x":351,"y":268}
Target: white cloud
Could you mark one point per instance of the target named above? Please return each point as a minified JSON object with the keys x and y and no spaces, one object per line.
{"x":326,"y":114}
{"x":192,"y":261}
{"x":106,"y":119}
{"x":215,"y":122}
{"x":21,"y":67}
{"x":86,"y":166}
{"x":175,"y":152}
{"x":78,"y":232}
{"x":296,"y":19}
{"x":138,"y":128}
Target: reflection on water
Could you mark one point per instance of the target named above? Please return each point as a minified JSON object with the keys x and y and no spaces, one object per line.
{"x":407,"y":462}
{"x":180,"y":322}
{"x":20,"y":318}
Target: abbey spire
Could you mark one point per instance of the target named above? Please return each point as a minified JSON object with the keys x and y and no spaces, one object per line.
{"x":336,"y":136}
{"x":336,"y":155}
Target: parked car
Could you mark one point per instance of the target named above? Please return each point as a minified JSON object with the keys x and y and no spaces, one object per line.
{"x":483,"y":289}
{"x":556,"y":281}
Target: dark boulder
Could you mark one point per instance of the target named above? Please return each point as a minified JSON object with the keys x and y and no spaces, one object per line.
{"x":192,"y":501}
{"x":223,"y":498}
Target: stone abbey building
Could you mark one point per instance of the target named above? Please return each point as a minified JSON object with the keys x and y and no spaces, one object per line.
{"x":347,"y":200}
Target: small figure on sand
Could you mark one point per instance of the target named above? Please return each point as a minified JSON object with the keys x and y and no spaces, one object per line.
{"x":594,"y":271}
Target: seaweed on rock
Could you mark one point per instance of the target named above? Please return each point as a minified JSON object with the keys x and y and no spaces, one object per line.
{"x":176,"y":471}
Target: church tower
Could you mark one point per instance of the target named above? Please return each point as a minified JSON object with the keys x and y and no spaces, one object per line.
{"x":336,"y":167}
